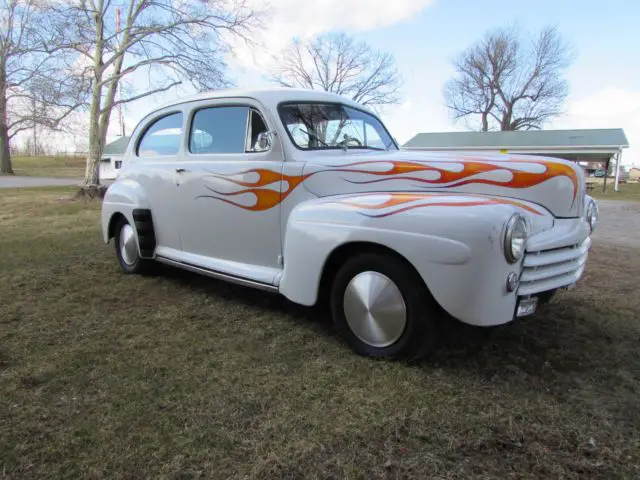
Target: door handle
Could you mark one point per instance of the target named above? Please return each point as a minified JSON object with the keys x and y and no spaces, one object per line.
{"x":181,"y":170}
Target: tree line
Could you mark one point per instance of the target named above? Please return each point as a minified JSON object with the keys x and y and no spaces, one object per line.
{"x":60,"y":58}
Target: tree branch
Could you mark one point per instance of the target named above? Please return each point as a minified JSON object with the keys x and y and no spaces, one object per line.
{"x":336,"y":63}
{"x":145,"y":94}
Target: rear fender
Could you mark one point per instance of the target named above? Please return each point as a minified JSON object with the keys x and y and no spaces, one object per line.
{"x":122,"y":198}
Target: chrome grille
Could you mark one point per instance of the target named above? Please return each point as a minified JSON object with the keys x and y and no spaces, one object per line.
{"x":549,"y":269}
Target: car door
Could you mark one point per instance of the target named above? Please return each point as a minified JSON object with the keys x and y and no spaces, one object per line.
{"x":155,"y":156}
{"x":230,"y":191}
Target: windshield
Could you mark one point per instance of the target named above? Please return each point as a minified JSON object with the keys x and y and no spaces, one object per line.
{"x":317,"y":126}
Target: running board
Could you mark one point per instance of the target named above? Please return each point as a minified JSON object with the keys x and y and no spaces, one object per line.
{"x":217,"y":275}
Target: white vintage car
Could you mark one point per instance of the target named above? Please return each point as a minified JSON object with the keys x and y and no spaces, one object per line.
{"x":307,"y":194}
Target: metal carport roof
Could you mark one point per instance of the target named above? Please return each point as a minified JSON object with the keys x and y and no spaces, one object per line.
{"x":607,"y":139}
{"x":571,"y":144}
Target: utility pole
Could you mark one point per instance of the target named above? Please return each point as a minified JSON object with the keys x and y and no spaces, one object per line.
{"x":118,"y":85}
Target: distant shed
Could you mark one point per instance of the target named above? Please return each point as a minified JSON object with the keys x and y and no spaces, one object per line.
{"x":593,"y":149}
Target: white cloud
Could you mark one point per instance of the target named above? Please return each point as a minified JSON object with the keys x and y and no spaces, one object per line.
{"x":610,"y":101}
{"x":294,"y":18}
{"x":301,"y":18}
{"x":611,"y":107}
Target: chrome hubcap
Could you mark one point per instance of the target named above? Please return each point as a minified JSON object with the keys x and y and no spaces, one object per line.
{"x":374,"y":309}
{"x":128,"y":247}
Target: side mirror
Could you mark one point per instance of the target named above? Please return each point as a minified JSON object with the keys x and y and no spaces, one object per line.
{"x":264,"y":142}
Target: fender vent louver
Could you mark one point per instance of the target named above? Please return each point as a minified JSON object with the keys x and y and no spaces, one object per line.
{"x":146,"y":233}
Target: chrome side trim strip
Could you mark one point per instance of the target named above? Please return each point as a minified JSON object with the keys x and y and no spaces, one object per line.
{"x":217,"y":275}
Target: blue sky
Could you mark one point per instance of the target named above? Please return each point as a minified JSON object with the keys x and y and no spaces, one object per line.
{"x":425,"y":35}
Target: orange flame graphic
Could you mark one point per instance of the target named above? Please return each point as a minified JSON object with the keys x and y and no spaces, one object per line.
{"x":267,"y":198}
{"x":398,"y":199}
{"x":519,"y":178}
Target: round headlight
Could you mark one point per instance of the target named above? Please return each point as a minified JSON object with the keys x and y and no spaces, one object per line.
{"x":592,"y":214}
{"x":515,"y":238}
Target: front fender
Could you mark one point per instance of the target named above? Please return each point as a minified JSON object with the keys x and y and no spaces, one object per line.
{"x":122,"y":197}
{"x":453,"y":241}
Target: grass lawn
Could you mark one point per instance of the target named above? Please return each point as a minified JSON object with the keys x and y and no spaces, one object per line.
{"x":104,"y":375}
{"x":626,"y":191}
{"x":49,"y":166}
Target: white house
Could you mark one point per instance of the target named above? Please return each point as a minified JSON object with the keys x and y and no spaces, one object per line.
{"x":111,"y":160}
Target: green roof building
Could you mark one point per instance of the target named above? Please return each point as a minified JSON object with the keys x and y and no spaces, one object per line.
{"x":593,"y":149}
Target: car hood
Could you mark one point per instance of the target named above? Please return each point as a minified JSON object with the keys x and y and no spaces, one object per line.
{"x":557,"y":185}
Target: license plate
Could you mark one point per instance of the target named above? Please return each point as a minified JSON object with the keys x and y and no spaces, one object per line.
{"x":527,"y":306}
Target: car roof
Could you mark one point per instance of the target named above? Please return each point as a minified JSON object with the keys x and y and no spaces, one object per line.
{"x":269,"y":96}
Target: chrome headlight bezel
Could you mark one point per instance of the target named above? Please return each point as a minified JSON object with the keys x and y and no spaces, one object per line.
{"x":516,"y":234}
{"x":592,"y":214}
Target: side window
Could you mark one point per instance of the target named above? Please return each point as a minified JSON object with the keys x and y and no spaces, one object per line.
{"x":257,"y":126}
{"x":219,"y":130}
{"x":233,"y":129}
{"x":162,"y":137}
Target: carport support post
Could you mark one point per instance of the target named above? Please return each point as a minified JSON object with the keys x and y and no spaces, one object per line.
{"x":615,"y":182}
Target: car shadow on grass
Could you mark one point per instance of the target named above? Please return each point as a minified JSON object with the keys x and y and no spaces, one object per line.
{"x":565,"y":350}
{"x":312,"y":317}
{"x":561,"y":338}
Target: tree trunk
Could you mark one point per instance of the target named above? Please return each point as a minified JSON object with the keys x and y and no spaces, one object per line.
{"x":5,"y":153}
{"x":485,"y":122}
{"x":505,"y":125}
{"x":95,"y":143}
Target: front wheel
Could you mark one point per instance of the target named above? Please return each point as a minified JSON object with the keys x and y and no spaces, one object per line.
{"x":126,"y":245}
{"x":382,"y":307}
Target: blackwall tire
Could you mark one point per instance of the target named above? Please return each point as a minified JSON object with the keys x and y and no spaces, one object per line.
{"x":383,"y":309}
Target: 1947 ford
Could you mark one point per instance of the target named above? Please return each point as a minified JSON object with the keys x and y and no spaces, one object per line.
{"x":306,"y":193}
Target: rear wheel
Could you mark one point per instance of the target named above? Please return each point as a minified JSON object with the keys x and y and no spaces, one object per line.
{"x":382,"y":307}
{"x":126,"y":245}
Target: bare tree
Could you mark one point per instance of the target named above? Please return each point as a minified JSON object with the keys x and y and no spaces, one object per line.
{"x":337,"y":63}
{"x":506,"y":83}
{"x":171,"y":40}
{"x":33,"y":89}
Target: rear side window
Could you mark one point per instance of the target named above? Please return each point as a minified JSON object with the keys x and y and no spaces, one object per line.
{"x":219,"y":130}
{"x":162,"y":137}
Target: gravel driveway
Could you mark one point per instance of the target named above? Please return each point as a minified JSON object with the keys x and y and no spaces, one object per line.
{"x":12,"y":181}
{"x":619,"y":223}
